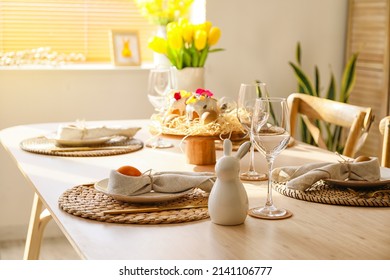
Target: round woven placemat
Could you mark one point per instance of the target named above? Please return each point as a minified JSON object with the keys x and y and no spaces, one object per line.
{"x":323,"y":193}
{"x":85,"y":202}
{"x":45,"y":146}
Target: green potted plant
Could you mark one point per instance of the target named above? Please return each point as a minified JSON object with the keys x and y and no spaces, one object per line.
{"x":334,"y":139}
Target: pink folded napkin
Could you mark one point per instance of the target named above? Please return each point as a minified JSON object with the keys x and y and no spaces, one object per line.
{"x":303,"y":177}
{"x":163,"y":182}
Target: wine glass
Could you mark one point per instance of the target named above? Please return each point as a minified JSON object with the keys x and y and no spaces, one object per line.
{"x":246,"y":102}
{"x":161,"y":82}
{"x":270,"y":132}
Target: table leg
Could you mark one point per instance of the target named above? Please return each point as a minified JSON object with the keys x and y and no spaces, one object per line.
{"x":38,"y":221}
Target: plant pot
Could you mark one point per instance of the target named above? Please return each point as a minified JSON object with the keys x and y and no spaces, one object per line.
{"x":190,"y":78}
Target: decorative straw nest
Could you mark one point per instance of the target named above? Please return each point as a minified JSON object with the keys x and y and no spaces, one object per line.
{"x":225,"y":124}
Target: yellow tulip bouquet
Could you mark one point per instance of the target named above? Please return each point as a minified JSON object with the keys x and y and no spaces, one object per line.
{"x":187,"y":45}
{"x":162,"y":12}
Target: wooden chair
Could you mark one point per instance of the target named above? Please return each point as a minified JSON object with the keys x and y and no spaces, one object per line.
{"x":384,"y":128}
{"x":357,"y":119}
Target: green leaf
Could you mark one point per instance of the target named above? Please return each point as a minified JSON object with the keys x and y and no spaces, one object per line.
{"x":203,"y":56}
{"x":265,"y":94}
{"x":216,"y":50}
{"x":329,"y":142}
{"x":298,"y":53}
{"x":258,"y":89}
{"x":172,"y":56}
{"x":298,"y":58}
{"x":195,"y":59}
{"x":336,"y":139}
{"x":331,"y":94}
{"x":303,"y":80}
{"x":305,"y":134}
{"x":303,"y":130}
{"x":300,"y":88}
{"x":349,"y":77}
{"x":186,"y":58}
{"x":180,"y":59}
{"x":317,"y":81}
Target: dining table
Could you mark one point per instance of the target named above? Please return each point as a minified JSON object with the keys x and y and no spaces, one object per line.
{"x":315,"y":231}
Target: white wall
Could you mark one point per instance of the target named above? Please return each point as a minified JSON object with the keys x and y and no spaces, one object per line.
{"x":259,"y":37}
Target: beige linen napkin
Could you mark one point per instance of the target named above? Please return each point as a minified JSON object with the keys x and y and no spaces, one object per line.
{"x":303,"y":177}
{"x":163,"y":182}
{"x":75,"y":132}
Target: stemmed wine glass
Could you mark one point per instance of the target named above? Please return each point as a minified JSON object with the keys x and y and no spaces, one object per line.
{"x":246,"y":102}
{"x":161,"y":82}
{"x":270,"y":132}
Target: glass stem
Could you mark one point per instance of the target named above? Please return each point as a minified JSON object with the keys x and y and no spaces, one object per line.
{"x":270,"y":162}
{"x":252,"y":157}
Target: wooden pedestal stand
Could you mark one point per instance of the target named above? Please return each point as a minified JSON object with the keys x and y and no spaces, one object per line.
{"x":200,"y":150}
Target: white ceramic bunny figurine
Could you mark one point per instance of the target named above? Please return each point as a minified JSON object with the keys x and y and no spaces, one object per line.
{"x":228,"y":201}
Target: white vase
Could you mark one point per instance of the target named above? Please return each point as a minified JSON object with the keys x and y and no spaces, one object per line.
{"x":158,"y":58}
{"x":190,"y":78}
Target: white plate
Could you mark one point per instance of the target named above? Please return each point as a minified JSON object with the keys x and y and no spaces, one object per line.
{"x":357,"y":184}
{"x":86,"y":142}
{"x":102,"y":186}
{"x":82,"y":142}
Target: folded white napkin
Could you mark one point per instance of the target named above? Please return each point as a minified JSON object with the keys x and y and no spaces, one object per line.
{"x":163,"y":182}
{"x":303,"y":177}
{"x":74,"y":132}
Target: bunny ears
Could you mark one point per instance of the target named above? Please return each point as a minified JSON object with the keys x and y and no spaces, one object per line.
{"x":228,"y":147}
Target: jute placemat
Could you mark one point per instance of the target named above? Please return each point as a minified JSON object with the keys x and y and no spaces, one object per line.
{"x":45,"y":146}
{"x":323,"y":193}
{"x":85,"y":202}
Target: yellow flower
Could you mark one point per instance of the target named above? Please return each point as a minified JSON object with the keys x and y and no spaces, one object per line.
{"x":187,"y":44}
{"x":214,"y":35}
{"x":206,"y":26}
{"x":187,"y":32}
{"x":163,"y":12}
{"x":172,"y":26}
{"x":175,"y":40}
{"x":200,"y":39}
{"x":182,"y":22}
{"x":158,"y":44}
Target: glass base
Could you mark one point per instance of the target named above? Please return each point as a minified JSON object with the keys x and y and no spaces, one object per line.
{"x":269,"y":213}
{"x":159,"y":144}
{"x":253,"y":176}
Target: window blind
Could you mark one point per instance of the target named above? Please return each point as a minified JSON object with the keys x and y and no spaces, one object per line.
{"x":71,"y":26}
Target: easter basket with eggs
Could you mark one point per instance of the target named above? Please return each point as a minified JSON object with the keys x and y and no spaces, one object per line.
{"x":199,"y":119}
{"x":199,"y":114}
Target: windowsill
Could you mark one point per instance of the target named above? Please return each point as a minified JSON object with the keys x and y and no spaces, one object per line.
{"x":86,"y":66}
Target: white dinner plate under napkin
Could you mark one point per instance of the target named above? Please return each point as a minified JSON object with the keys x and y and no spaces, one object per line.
{"x":82,"y":142}
{"x":81,"y":135}
{"x":303,"y":177}
{"x":102,"y":186}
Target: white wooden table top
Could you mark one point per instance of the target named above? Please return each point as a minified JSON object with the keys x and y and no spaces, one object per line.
{"x":316,"y":231}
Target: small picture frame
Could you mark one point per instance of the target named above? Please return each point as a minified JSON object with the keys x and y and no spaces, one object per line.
{"x":125,"y":50}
